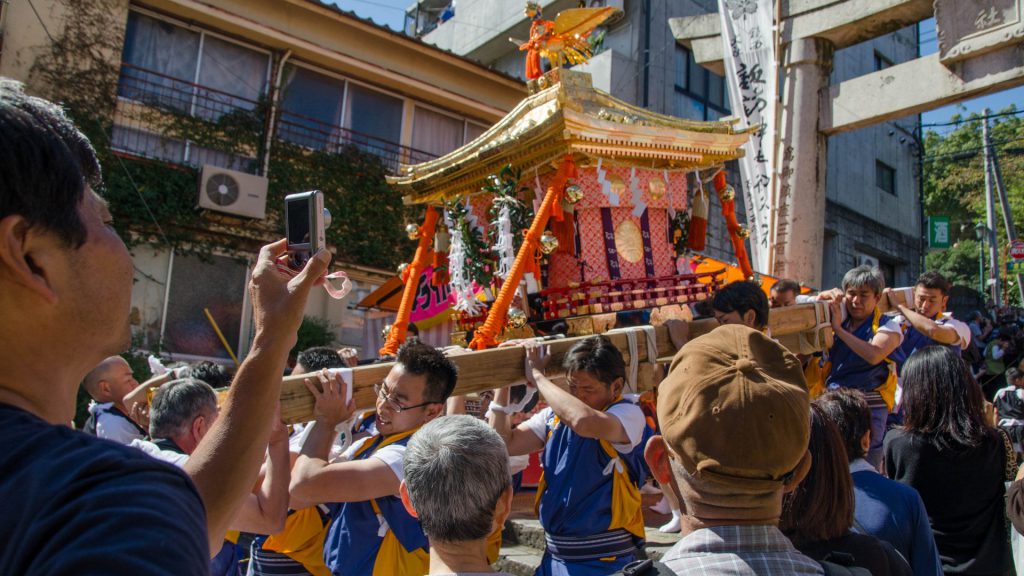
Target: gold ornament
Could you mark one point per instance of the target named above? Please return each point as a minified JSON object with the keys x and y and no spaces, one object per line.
{"x":743,"y":232}
{"x":617,"y":183}
{"x":412,"y":231}
{"x":656,"y":186}
{"x":729,"y":193}
{"x":385,"y":332}
{"x":573,"y":192}
{"x":568,"y":207}
{"x":548,"y":242}
{"x":402,"y":268}
{"x":516,"y":318}
{"x":629,"y":241}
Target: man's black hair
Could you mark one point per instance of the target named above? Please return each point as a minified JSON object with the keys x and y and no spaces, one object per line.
{"x":319,"y":357}
{"x":934,"y":281}
{"x":848,"y":410}
{"x":597,"y":356}
{"x":740,"y":297}
{"x":45,"y":164}
{"x":422,"y":360}
{"x":210,"y":372}
{"x":786,"y":285}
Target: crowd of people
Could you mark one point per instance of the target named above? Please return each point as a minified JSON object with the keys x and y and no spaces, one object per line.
{"x":879,"y":455}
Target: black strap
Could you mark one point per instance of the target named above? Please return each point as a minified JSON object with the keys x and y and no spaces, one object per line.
{"x":645,"y":568}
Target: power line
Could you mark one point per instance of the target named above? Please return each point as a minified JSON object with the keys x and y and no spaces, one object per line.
{"x":41,"y":23}
{"x":972,"y":119}
{"x":969,"y":150}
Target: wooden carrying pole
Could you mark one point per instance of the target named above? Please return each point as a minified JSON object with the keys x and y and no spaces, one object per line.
{"x":499,"y":367}
{"x":422,"y":259}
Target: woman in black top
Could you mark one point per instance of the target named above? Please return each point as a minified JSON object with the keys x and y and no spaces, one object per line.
{"x":817,"y":516}
{"x":955,"y":460}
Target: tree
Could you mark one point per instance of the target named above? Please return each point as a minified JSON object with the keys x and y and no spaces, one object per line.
{"x":954,"y":185}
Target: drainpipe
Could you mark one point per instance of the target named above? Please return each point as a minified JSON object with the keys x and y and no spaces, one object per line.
{"x":647,"y":49}
{"x":273,"y":112}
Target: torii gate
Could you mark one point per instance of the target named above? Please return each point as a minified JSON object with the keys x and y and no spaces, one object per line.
{"x":981,"y":50}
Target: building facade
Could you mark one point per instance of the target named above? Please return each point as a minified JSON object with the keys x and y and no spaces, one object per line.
{"x":256,"y":78}
{"x":873,"y":210}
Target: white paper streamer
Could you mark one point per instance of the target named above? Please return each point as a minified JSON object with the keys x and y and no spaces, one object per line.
{"x":668,"y":196}
{"x":606,"y":186}
{"x":462,"y":287}
{"x":638,"y":197}
{"x":504,"y":247}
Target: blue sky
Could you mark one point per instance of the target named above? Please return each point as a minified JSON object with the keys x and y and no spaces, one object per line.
{"x":392,"y":13}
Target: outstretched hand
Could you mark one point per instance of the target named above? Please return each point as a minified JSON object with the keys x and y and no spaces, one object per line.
{"x":278,"y":299}
{"x":330,"y":407}
{"x":536,"y":360}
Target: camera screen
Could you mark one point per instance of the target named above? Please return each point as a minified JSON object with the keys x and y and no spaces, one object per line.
{"x":298,"y":221}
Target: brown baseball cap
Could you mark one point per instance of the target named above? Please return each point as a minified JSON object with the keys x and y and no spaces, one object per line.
{"x":734,"y":407}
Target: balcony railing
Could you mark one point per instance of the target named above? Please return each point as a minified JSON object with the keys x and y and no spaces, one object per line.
{"x":142,"y":128}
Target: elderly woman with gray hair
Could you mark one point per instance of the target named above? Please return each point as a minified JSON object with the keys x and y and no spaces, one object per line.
{"x":457,"y":482}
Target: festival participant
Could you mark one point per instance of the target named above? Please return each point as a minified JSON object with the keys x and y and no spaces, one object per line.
{"x":108,"y":384}
{"x":784,"y":293}
{"x":927,"y":321}
{"x":741,"y":303}
{"x":298,"y":549}
{"x":1009,"y":406}
{"x":371,"y":532}
{"x":457,"y":483}
{"x":735,"y":429}
{"x":182,"y":413}
{"x":818,"y":515}
{"x":885,"y":509}
{"x":73,"y":503}
{"x":589,"y":498}
{"x":859,"y":358}
{"x":955,"y":460}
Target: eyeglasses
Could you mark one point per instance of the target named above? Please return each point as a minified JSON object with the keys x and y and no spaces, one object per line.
{"x":392,"y":403}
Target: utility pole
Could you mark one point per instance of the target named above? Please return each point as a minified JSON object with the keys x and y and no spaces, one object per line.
{"x":990,"y":214}
{"x":1011,"y":229}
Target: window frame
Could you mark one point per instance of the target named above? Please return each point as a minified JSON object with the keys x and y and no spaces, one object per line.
{"x":884,"y":168}
{"x":702,"y":98}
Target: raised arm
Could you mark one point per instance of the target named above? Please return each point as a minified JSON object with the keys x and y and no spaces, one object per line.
{"x":873,"y":351}
{"x":225,"y":463}
{"x":518,"y":441}
{"x":944,"y":334}
{"x":265,"y":511}
{"x":582,"y":419}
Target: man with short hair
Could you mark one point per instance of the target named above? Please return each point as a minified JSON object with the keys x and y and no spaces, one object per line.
{"x":72,"y":503}
{"x":457,"y":483}
{"x":371,"y":531}
{"x":859,"y":357}
{"x":735,"y":428}
{"x":108,"y":384}
{"x":784,"y":293}
{"x":926,"y":321}
{"x":885,"y":509}
{"x":741,"y":303}
{"x":593,"y":438}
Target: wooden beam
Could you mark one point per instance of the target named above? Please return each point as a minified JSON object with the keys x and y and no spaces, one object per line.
{"x":498,"y":367}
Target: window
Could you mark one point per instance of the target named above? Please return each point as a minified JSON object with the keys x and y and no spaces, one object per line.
{"x":217,"y":284}
{"x":375,"y":120}
{"x":189,"y":71}
{"x":435,"y":134}
{"x":881,"y":62}
{"x":885,"y":177}
{"x":699,"y":93}
{"x":310,"y":108}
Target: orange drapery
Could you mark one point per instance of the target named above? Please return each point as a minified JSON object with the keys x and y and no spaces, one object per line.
{"x":486,"y":335}
{"x":411,"y":276}
{"x":729,"y":213}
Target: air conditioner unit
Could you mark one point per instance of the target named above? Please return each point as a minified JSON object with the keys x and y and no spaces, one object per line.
{"x":232,"y":192}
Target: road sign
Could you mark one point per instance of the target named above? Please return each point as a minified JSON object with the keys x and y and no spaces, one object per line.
{"x":1015,"y":260}
{"x":1017,"y":250}
{"x":938,"y":232}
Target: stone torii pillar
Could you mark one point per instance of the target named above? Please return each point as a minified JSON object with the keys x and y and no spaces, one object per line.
{"x":800,"y":233}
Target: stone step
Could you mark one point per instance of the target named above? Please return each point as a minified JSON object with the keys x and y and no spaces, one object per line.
{"x":518,"y":560}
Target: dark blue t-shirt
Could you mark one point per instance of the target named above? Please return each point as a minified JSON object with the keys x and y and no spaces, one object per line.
{"x":74,"y":504}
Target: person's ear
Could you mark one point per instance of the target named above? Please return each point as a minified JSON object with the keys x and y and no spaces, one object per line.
{"x":25,"y":251}
{"x":750,"y":318}
{"x":656,"y":455}
{"x":403,"y":493}
{"x":617,"y":386}
{"x":198,"y":428}
{"x":799,"y":473}
{"x":431,"y":411}
{"x":104,"y":389}
{"x":502,"y":509}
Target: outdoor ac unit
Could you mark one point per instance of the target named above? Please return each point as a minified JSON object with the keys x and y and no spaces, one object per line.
{"x":232,"y":192}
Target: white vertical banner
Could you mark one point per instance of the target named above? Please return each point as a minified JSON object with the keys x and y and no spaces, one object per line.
{"x":752,"y":80}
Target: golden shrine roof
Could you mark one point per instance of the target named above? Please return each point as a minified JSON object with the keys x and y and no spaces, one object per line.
{"x":566,"y":114}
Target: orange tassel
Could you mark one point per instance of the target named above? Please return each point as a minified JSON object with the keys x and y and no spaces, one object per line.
{"x":696,"y":237}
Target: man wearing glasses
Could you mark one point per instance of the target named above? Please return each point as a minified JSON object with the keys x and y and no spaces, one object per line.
{"x":372,"y":533}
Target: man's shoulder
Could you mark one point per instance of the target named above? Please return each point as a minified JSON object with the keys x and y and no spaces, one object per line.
{"x":68,"y":496}
{"x":885,"y":489}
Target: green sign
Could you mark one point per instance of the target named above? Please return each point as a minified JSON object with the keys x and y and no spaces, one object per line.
{"x":938,"y":232}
